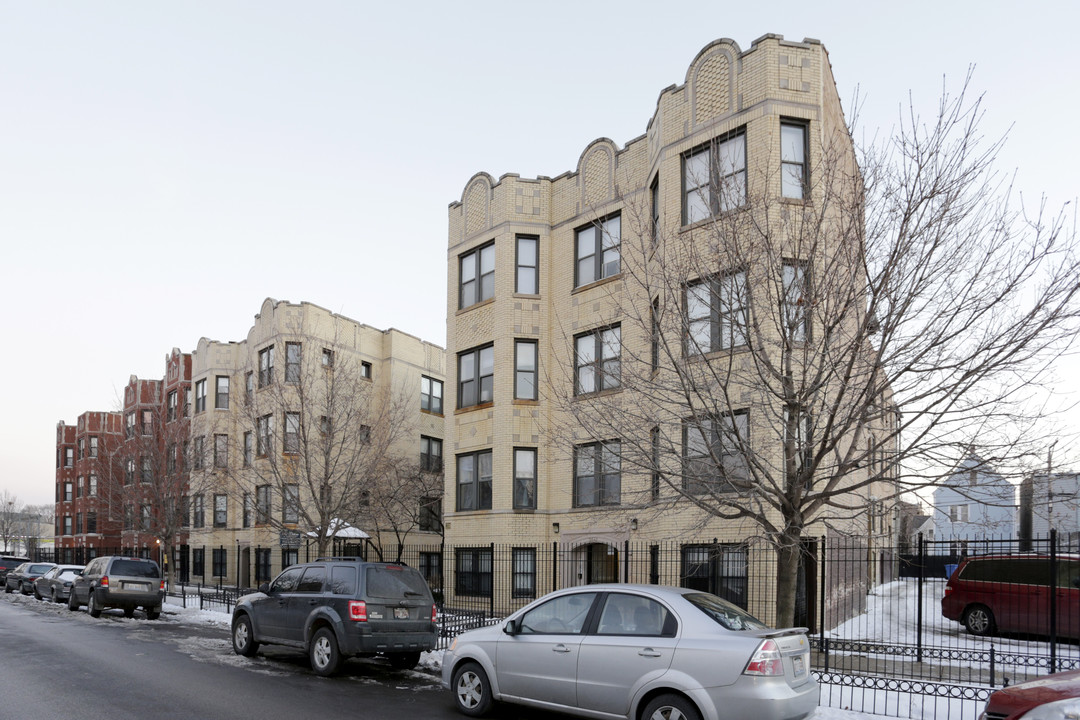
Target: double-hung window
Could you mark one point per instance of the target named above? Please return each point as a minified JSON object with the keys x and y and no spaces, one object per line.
{"x":598,"y":246}
{"x":290,"y":504}
{"x":477,"y":274}
{"x":198,"y":513}
{"x":292,"y":433}
{"x":431,"y":394}
{"x":262,"y":504}
{"x":473,"y":571}
{"x":476,"y":370}
{"x":714,"y":177}
{"x":171,"y":406}
{"x":527,"y":279}
{"x":266,"y":366}
{"x":714,"y":461}
{"x":292,"y":362}
{"x":249,"y":448}
{"x":793,"y":175}
{"x":221,"y":392}
{"x":717,"y":313}
{"x":795,"y":305}
{"x":524,"y":478}
{"x":524,"y":568}
{"x":264,"y":430}
{"x":597,"y":474}
{"x":430,"y":454}
{"x":93,"y":446}
{"x":221,"y":451}
{"x":221,"y":510}
{"x":597,"y":364}
{"x":474,"y":481}
{"x":525,"y":369}
{"x":200,"y":395}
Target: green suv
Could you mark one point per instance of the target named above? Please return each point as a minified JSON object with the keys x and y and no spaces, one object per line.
{"x":336,"y":608}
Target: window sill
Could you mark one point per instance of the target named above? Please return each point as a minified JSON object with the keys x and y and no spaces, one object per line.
{"x":598,"y":393}
{"x":431,"y":412}
{"x":596,"y":283}
{"x":525,"y":402}
{"x":471,"y":408}
{"x":482,"y":303}
{"x":527,"y":296}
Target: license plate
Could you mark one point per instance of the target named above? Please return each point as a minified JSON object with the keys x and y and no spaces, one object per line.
{"x":143,"y":587}
{"x":401,"y":613}
{"x":800,"y":665}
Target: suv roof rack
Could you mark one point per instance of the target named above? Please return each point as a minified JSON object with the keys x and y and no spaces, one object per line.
{"x":359,"y":559}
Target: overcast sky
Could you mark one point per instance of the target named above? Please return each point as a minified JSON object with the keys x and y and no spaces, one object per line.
{"x":164,"y":167}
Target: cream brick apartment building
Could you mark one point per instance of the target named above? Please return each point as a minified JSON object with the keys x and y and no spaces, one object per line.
{"x":571,"y":301}
{"x":313,"y":421}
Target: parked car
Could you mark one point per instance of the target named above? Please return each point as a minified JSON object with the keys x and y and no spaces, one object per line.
{"x":56,"y":583}
{"x":335,"y":608}
{"x":22,"y":578}
{"x":1011,"y":593}
{"x":112,"y":581}
{"x":8,"y":563}
{"x":634,"y":651}
{"x":1048,"y":698}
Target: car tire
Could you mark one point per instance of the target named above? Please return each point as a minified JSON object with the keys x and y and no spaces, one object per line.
{"x":153,"y":613}
{"x":37,"y":595}
{"x":7,"y":587}
{"x":243,"y":638}
{"x":52,"y":596}
{"x":129,"y":612}
{"x":92,"y":607}
{"x":979,"y":620}
{"x":472,"y":691}
{"x":72,"y":603}
{"x":323,"y":653}
{"x":404,"y":661}
{"x":670,"y":707}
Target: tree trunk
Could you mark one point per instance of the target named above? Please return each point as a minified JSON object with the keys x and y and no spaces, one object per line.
{"x":788,"y":555}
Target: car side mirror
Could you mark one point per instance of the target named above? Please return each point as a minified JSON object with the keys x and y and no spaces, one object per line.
{"x":512,"y":628}
{"x":265,"y":588}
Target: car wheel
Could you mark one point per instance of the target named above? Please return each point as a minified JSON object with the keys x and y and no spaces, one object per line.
{"x":37,"y":595}
{"x":670,"y":707}
{"x":129,"y":612}
{"x":22,"y":589}
{"x":472,"y":691}
{"x":979,"y":620}
{"x":404,"y":661}
{"x":92,"y":607}
{"x":73,"y":604}
{"x":52,"y":596}
{"x":324,"y":654}
{"x":153,"y":613}
{"x":243,"y":639}
{"x":7,"y":587}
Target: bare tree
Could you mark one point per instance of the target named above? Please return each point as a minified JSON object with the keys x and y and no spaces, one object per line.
{"x":407,"y":498}
{"x":783,"y":358}
{"x":322,"y":437}
{"x":149,"y":480}
{"x":33,"y":519}
{"x":10,"y":525}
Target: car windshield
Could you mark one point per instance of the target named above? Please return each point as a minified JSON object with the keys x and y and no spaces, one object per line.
{"x":135,"y":568}
{"x":393,"y":581}
{"x":724,"y":613}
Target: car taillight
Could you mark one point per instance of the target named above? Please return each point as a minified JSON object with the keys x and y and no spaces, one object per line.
{"x":162,"y":586}
{"x":104,"y":581}
{"x":948,"y":590}
{"x":358,"y":610}
{"x":434,"y":612}
{"x":766,"y":661}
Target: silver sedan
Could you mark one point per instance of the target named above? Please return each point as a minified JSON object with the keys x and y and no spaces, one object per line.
{"x":634,"y":651}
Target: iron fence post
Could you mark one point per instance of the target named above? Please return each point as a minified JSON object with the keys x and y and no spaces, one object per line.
{"x":821,"y":605}
{"x":554,"y":565}
{"x":1053,"y":600}
{"x":491,"y":595}
{"x":919,"y":601}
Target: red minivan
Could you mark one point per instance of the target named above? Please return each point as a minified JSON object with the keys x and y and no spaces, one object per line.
{"x":1011,"y":593}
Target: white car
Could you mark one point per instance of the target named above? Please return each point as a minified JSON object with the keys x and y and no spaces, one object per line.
{"x":634,"y":651}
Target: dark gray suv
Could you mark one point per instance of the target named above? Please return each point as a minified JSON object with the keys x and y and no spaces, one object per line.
{"x":112,"y":581}
{"x":336,"y":608}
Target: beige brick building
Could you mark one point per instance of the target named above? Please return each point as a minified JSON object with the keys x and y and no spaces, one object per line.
{"x":571,"y":301}
{"x":313,"y":420}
